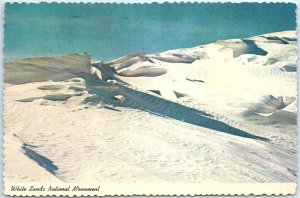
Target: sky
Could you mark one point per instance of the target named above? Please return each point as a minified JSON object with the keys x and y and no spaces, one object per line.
{"x":108,"y":31}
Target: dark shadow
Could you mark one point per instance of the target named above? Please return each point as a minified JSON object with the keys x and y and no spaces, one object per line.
{"x":195,"y":80}
{"x":276,"y":39}
{"x":58,"y":97}
{"x":110,"y":108}
{"x":179,"y":95}
{"x":289,"y":68}
{"x":75,"y":65}
{"x":31,"y":99}
{"x":250,"y":49}
{"x":156,"y":92}
{"x":289,"y":39}
{"x":41,"y":160}
{"x":158,"y":106}
{"x":49,"y":87}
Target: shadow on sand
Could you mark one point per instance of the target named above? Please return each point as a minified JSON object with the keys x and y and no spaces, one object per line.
{"x":76,"y":65}
{"x":41,"y":160}
{"x":105,"y":92}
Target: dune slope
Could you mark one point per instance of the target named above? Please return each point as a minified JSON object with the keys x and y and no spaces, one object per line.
{"x":222,"y":112}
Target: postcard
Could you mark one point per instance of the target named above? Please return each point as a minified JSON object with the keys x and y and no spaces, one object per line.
{"x":150,"y":99}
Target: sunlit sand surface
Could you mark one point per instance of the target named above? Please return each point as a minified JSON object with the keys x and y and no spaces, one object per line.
{"x":222,"y":112}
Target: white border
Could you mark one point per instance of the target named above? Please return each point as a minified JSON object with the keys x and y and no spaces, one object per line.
{"x":2,"y":2}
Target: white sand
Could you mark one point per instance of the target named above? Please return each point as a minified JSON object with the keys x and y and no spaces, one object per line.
{"x":72,"y":128}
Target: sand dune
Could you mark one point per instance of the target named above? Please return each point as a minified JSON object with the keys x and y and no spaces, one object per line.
{"x":222,"y":112}
{"x":270,"y":104}
{"x":144,"y":71}
{"x":47,"y":68}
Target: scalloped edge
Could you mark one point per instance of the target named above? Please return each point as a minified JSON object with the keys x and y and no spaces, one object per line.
{"x":218,"y":188}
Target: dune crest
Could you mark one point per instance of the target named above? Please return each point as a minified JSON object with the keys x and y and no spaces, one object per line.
{"x":212,"y":108}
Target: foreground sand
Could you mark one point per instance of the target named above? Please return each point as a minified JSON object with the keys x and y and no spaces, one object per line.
{"x":224,"y":112}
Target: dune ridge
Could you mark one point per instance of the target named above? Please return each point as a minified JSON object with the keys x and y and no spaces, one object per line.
{"x":204,"y":112}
